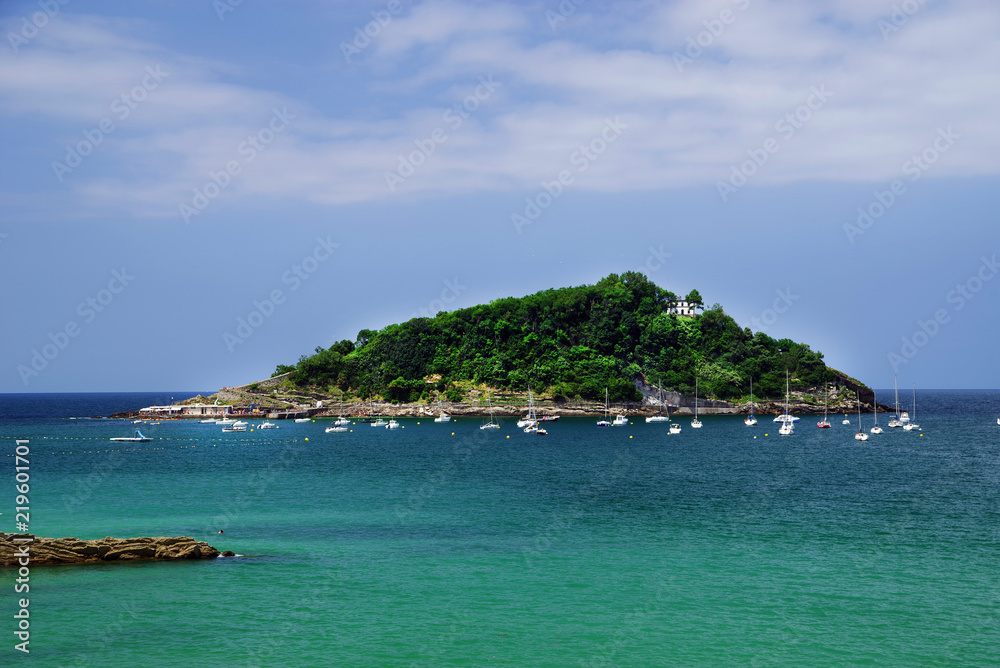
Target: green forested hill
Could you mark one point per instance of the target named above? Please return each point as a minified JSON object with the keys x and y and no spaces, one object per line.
{"x":568,"y":342}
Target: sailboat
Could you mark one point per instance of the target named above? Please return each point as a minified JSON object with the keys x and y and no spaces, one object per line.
{"x":696,"y":423}
{"x":876,"y":429}
{"x":529,"y":420}
{"x":443,"y":417}
{"x":785,"y":418}
{"x":604,"y":422}
{"x":341,"y":421}
{"x":861,"y":435}
{"x":659,"y":417}
{"x":825,"y":424}
{"x":492,"y":423}
{"x":894,"y":422}
{"x":912,"y":424}
{"x":788,"y":423}
{"x":750,"y":421}
{"x":904,"y":417}
{"x":845,"y":420}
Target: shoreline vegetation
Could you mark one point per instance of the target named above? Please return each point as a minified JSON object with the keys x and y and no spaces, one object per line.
{"x":624,"y":338}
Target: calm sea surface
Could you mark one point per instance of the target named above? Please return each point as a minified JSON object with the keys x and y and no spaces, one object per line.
{"x":444,"y":545}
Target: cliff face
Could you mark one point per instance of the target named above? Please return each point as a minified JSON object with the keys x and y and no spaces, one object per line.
{"x":76,"y":551}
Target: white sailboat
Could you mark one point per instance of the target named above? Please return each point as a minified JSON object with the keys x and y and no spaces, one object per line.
{"x":442,"y":417}
{"x":894,"y":422}
{"x":529,"y":420}
{"x":659,"y":417}
{"x":604,"y":422}
{"x":492,"y":423}
{"x":825,"y":424}
{"x":861,"y":435}
{"x":696,"y":423}
{"x":876,"y":429}
{"x":912,"y":424}
{"x":341,"y":421}
{"x":750,"y":421}
{"x":788,"y":423}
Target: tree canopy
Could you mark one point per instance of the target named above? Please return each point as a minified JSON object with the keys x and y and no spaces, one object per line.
{"x":569,"y":342}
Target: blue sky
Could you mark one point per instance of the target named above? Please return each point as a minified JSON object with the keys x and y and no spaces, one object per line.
{"x":826,"y":171}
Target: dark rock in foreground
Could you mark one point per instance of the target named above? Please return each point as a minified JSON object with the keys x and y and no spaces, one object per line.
{"x":75,"y":551}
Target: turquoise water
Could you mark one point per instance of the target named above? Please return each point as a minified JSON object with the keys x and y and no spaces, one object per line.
{"x":589,"y":547}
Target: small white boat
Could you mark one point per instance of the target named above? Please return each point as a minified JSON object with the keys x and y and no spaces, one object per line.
{"x":750,"y":421}
{"x":208,"y":421}
{"x":443,"y":417}
{"x":605,"y":422}
{"x":380,"y":423}
{"x":303,"y":419}
{"x":240,"y":423}
{"x":392,"y":425}
{"x":229,"y":430}
{"x":911,"y":424}
{"x":696,"y":423}
{"x":998,"y":420}
{"x":620,"y":421}
{"x":787,"y":421}
{"x":540,"y":431}
{"x":225,"y":421}
{"x":659,"y":417}
{"x":137,"y":421}
{"x":492,"y":424}
{"x":138,"y":438}
{"x":675,"y":428}
{"x":531,"y":428}
{"x":861,"y":435}
{"x":335,"y":429}
{"x":529,"y":420}
{"x":267,"y":425}
{"x":876,"y":429}
{"x":341,"y":422}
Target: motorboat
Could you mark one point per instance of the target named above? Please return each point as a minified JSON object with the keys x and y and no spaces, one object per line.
{"x":675,"y":428}
{"x":620,"y":421}
{"x":380,"y":423}
{"x":267,"y":425}
{"x":392,"y":425}
{"x":234,"y":428}
{"x":335,"y":429}
{"x":303,"y":419}
{"x":225,"y":421}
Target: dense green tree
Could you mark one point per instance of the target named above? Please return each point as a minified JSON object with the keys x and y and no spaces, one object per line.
{"x":573,"y":342}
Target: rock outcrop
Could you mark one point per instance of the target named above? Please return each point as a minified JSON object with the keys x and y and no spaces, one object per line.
{"x":75,"y":551}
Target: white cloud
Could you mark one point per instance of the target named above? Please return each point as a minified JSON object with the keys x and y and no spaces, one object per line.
{"x":686,"y":127}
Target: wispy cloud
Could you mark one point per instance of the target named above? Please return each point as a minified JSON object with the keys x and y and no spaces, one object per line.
{"x":686,"y":127}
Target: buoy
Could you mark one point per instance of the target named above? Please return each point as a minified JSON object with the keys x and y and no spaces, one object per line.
{"x":452,"y":433}
{"x":508,"y":436}
{"x":307,"y":439}
{"x":630,"y":437}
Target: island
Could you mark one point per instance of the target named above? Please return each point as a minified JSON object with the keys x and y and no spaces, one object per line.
{"x":623,"y":340}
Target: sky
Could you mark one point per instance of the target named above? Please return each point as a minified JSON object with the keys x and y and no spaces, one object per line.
{"x":194,"y":192}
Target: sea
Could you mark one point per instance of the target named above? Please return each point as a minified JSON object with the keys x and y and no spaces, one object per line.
{"x":441,"y":544}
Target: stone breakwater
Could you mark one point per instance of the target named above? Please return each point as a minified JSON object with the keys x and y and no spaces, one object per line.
{"x":43,"y":551}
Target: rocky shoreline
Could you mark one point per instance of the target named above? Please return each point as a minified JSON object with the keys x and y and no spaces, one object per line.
{"x":48,"y":551}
